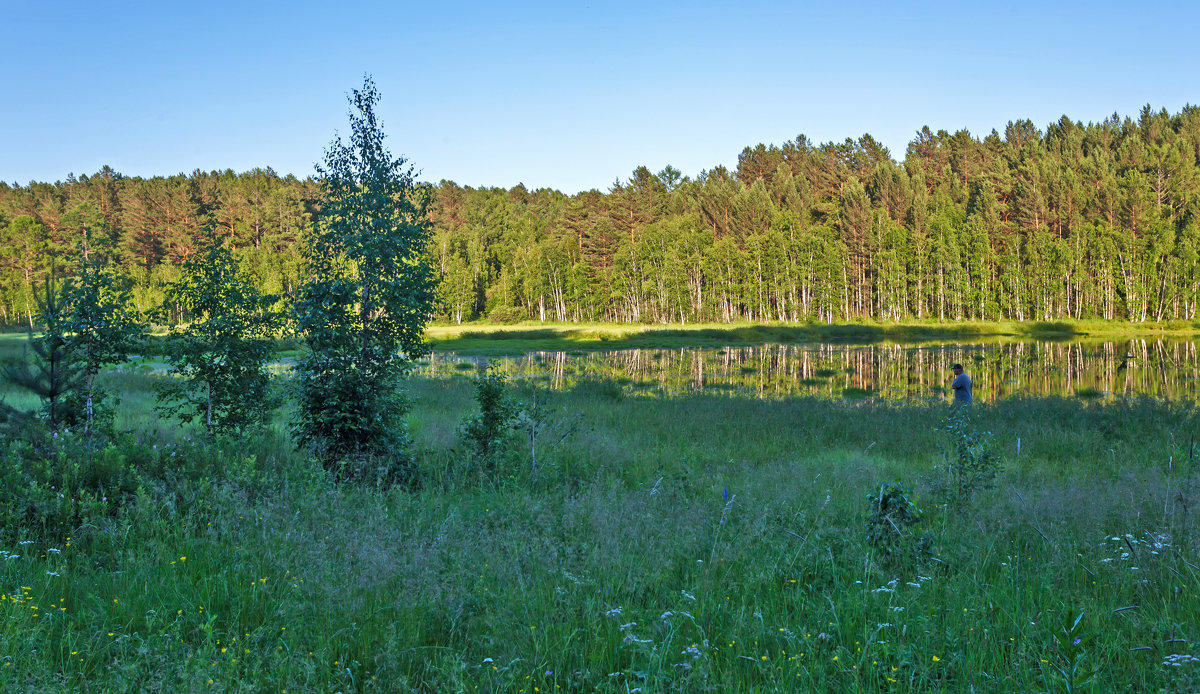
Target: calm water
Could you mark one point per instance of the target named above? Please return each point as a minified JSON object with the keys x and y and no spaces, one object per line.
{"x":998,"y":368}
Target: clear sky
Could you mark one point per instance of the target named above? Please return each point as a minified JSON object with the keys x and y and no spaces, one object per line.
{"x":566,"y":95}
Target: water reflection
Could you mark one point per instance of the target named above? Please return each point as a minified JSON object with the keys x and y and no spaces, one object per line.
{"x":1159,"y":368}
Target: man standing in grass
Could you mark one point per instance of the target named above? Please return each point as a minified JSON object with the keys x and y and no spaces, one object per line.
{"x":961,"y":386}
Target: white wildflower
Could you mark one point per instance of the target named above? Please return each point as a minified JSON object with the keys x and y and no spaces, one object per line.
{"x":1178,"y":659}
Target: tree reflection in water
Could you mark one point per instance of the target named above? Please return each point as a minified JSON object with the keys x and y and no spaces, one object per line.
{"x":998,"y":368}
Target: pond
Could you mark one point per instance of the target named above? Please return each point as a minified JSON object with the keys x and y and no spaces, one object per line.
{"x":999,"y":368}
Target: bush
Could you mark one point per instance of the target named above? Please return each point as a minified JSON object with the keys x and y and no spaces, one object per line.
{"x":507,"y":315}
{"x":49,"y":489}
{"x":891,"y":517}
{"x":54,"y":482}
{"x":489,"y":434}
{"x":971,"y":462}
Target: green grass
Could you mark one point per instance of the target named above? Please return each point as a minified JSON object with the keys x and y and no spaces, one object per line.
{"x":700,"y":543}
{"x":509,"y":339}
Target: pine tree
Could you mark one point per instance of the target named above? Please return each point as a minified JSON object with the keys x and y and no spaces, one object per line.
{"x":53,"y":376}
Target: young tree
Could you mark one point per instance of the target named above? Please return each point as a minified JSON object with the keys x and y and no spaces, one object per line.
{"x":369,"y":294}
{"x":100,"y":326}
{"x":53,"y":376}
{"x":220,"y":356}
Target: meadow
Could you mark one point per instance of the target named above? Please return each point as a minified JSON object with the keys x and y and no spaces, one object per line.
{"x":495,"y":338}
{"x":695,"y":543}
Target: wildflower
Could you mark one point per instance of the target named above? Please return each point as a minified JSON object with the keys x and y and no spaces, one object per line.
{"x":936,"y":659}
{"x":1178,"y":659}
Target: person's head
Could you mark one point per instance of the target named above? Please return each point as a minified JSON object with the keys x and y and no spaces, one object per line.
{"x":957,"y":369}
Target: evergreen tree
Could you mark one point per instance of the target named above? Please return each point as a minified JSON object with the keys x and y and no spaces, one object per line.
{"x":53,"y":376}
{"x":363,"y":311}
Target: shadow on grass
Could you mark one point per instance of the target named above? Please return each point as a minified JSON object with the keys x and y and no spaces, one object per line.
{"x":585,"y":338}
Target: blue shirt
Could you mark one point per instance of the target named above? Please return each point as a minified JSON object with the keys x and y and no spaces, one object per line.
{"x":962,"y":388}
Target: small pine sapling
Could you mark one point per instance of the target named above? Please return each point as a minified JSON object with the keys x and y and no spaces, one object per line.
{"x":52,"y":376}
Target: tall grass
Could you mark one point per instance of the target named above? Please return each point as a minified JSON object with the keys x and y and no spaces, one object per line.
{"x":704,"y":543}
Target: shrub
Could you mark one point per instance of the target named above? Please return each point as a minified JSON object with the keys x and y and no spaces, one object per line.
{"x":52,"y":483}
{"x":891,"y":517}
{"x":489,"y":433}
{"x":971,"y":461}
{"x":50,"y":488}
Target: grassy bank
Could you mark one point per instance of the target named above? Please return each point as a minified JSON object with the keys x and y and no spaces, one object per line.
{"x":489,"y":338}
{"x":703,"y":543}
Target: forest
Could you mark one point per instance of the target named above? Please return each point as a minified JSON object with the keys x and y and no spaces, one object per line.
{"x":1071,"y":222}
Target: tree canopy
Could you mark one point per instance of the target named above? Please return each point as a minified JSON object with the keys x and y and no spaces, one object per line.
{"x":1066,"y":222}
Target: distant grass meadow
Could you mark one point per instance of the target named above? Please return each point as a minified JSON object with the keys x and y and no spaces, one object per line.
{"x":704,"y":543}
{"x":491,"y":338}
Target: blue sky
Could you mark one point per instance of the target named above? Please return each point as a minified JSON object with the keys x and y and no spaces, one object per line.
{"x":557,"y":94}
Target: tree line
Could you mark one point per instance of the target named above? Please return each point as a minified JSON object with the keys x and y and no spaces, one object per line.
{"x":1074,"y":221}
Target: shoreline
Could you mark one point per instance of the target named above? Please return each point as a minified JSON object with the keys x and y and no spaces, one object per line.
{"x":523,"y":337}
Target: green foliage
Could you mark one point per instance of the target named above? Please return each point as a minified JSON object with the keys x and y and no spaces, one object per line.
{"x":541,"y":424}
{"x":1070,"y":672}
{"x":1035,"y":226}
{"x":489,"y":434}
{"x":219,"y":358}
{"x":53,"y":375}
{"x":100,"y":326}
{"x":891,"y":517}
{"x":53,"y":483}
{"x":364,"y":308}
{"x":245,"y":538}
{"x":970,"y":463}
